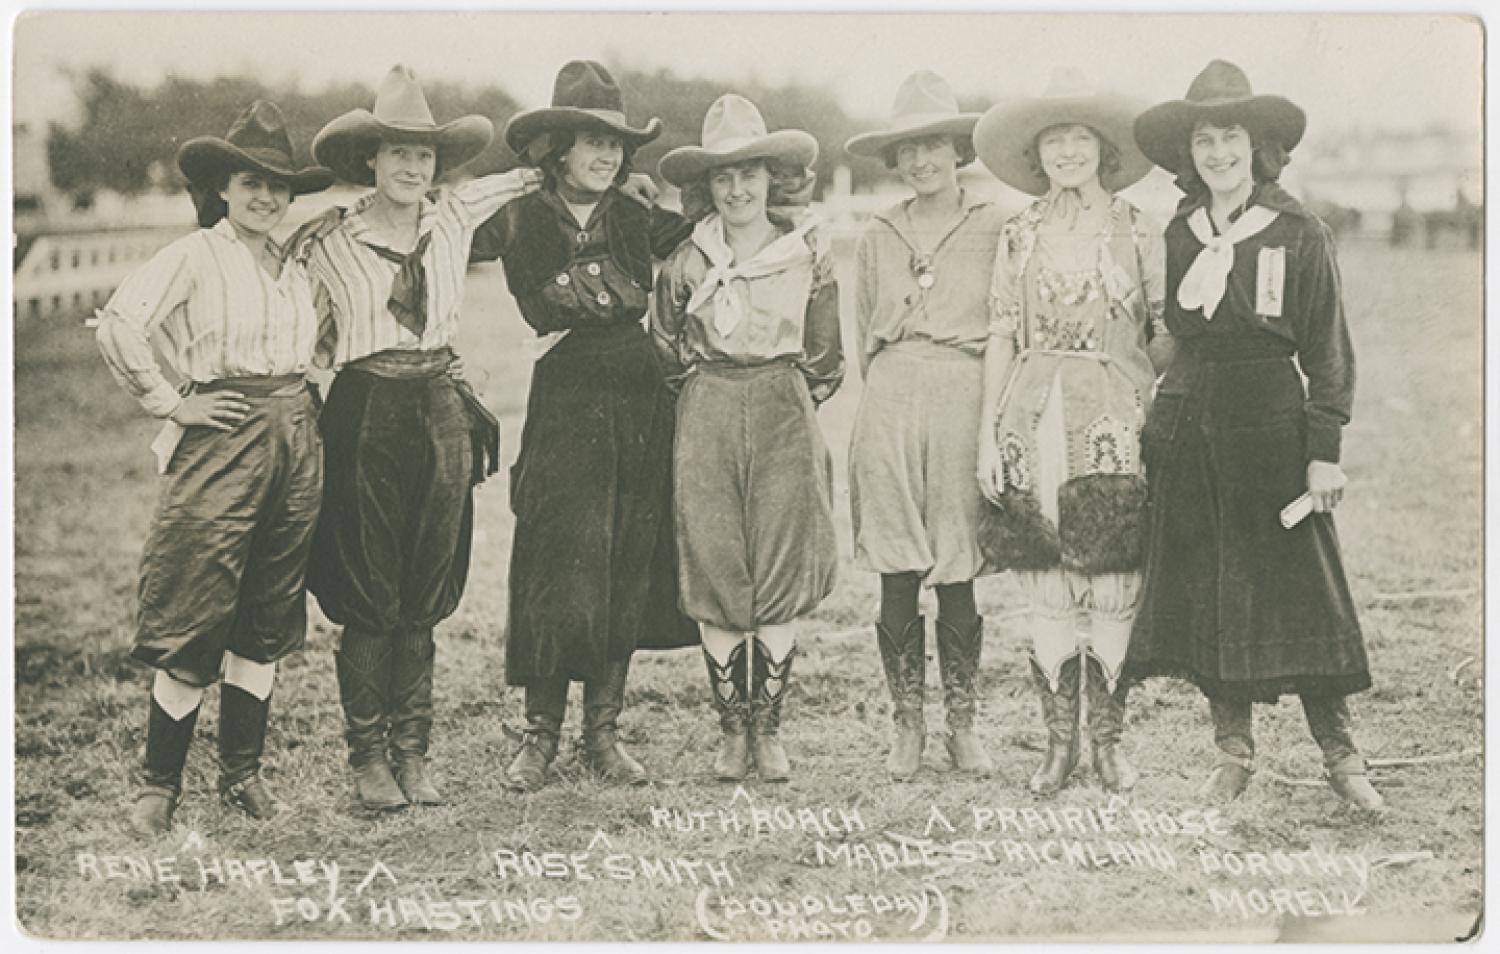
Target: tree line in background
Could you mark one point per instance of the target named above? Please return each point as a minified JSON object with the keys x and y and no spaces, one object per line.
{"x":129,"y":134}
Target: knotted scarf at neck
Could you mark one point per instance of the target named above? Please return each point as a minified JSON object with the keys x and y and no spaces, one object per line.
{"x":1204,"y":282}
{"x":724,"y":283}
{"x":1065,"y":205}
{"x":408,"y":301}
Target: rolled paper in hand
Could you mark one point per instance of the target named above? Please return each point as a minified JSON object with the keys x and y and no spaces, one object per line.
{"x":1296,"y":511}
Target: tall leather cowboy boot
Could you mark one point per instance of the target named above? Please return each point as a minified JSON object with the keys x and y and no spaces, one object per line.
{"x":414,"y":654}
{"x":1328,"y":718}
{"x":958,"y":660}
{"x":546,"y":704}
{"x":1236,"y":741}
{"x":1106,"y":725}
{"x":1060,"y":713}
{"x":730,"y":687}
{"x":768,"y":684}
{"x":167,"y":742}
{"x":904,"y":656}
{"x":363,"y":664}
{"x":603,"y":699}
{"x":242,"y":741}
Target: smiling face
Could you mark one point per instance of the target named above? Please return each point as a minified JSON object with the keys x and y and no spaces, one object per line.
{"x":404,"y":171}
{"x":1069,"y":155}
{"x":739,"y":191}
{"x":592,"y":162}
{"x":256,"y":202}
{"x":929,"y":164}
{"x":1222,"y":156}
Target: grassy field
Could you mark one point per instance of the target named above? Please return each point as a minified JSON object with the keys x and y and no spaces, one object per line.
{"x":1411,"y":528}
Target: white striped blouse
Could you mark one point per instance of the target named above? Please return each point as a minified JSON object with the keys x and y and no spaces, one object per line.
{"x":352,"y":283}
{"x":215,"y":312}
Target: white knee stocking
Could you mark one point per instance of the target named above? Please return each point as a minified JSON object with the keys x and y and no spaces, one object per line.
{"x":719,"y":643}
{"x":253,"y":677}
{"x":175,"y":697}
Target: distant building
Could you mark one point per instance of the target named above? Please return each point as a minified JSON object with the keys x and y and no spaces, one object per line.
{"x":1397,"y":180}
{"x":34,"y":197}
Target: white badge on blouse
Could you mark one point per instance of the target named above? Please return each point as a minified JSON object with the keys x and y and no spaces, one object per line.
{"x":1270,"y":281}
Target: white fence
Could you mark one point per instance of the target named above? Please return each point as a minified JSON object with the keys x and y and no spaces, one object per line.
{"x":70,"y":273}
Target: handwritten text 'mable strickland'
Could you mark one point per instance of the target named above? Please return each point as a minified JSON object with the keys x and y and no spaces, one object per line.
{"x":901,"y":852}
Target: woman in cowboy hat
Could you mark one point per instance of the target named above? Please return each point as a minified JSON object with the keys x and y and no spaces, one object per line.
{"x":1075,"y":343}
{"x":593,"y":571}
{"x":921,"y":305}
{"x":404,"y":437}
{"x":747,"y":319}
{"x":222,"y":591}
{"x":1246,"y":605}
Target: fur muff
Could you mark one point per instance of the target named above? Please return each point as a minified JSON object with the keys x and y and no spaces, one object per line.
{"x":1100,"y":519}
{"x":1016,"y":535}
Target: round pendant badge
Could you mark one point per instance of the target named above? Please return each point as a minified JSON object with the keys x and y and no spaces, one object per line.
{"x":921,"y":266}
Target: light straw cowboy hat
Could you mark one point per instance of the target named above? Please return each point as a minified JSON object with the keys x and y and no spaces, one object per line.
{"x":1005,"y":133}
{"x":1221,"y":95}
{"x":584,"y":96}
{"x":734,"y":131}
{"x":401,"y":114}
{"x":924,"y":106}
{"x":257,"y":141}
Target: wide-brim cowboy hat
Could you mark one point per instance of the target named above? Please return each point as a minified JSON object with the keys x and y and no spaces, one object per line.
{"x":401,"y":114}
{"x":584,"y":96}
{"x":257,"y":141}
{"x":924,"y":106}
{"x":734,"y":131}
{"x":1006,"y":133}
{"x":1220,"y":95}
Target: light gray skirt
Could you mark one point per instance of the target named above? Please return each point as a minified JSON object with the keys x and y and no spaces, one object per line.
{"x":754,"y":498}
{"x":912,"y":462}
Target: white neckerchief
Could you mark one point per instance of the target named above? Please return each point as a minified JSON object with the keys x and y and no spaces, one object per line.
{"x":1203,"y":284}
{"x":730,"y":305}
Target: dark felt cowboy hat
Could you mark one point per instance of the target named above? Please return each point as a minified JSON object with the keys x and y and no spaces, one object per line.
{"x":257,"y":141}
{"x":584,"y":96}
{"x":1008,"y":130}
{"x":401,"y":114}
{"x":1221,"y":95}
{"x":734,"y":131}
{"x":924,"y":106}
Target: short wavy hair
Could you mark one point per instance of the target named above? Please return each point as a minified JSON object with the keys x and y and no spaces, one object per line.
{"x":1267,"y":158}
{"x":365,"y":152}
{"x":210,"y":205}
{"x":558,"y":144}
{"x":962,"y":145}
{"x":697,"y":197}
{"x":1109,"y":155}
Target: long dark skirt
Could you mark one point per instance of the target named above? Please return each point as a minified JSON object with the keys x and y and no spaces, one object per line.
{"x":593,"y":570}
{"x":1230,"y":600}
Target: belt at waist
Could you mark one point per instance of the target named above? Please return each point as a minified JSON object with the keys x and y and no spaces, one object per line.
{"x":737,"y":369}
{"x":927,"y":348}
{"x":396,"y":363}
{"x":259,"y":386}
{"x":1246,"y":347}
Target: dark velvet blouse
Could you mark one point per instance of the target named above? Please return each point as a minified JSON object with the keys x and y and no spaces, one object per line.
{"x":564,"y":276}
{"x":1311,"y":322}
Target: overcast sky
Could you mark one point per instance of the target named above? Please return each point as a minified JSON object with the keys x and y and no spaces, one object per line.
{"x":1345,"y":70}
